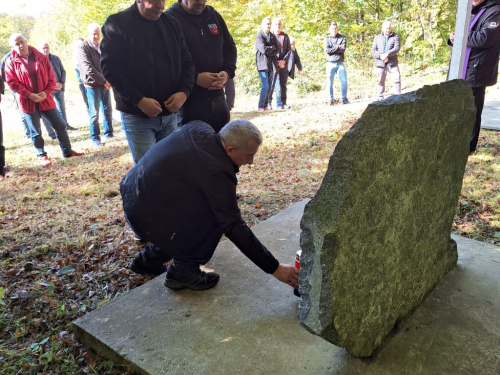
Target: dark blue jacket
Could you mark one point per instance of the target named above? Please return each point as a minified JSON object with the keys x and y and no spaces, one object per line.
{"x":182,"y":175}
{"x":58,"y":68}
{"x":210,"y":43}
{"x":127,"y":55}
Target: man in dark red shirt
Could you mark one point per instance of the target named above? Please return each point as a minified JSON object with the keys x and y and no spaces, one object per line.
{"x":29,"y":74}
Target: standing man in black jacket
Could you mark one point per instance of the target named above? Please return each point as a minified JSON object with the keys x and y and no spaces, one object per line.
{"x":146,"y":60}
{"x":214,"y":54}
{"x":335,"y":46}
{"x":483,"y":49}
{"x":385,"y":50}
{"x":281,"y":76}
{"x":181,"y":196}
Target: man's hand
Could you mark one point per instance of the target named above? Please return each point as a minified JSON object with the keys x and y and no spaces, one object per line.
{"x":42,"y":95}
{"x":107,"y":86}
{"x":301,"y":72}
{"x":288,"y":274}
{"x":59,"y":86}
{"x":35,"y":97}
{"x":281,"y":63}
{"x":176,"y":101}
{"x":206,"y":80}
{"x":452,"y":37}
{"x":221,"y":82}
{"x":149,"y":106}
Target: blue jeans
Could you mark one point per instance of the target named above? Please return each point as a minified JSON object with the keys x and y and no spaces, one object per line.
{"x":142,"y":133}
{"x":331,"y":69}
{"x":21,"y":113}
{"x":58,"y":96}
{"x":96,"y":96}
{"x":266,"y":78}
{"x":53,"y":115}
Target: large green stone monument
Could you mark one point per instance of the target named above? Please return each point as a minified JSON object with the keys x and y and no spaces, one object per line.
{"x":376,"y":237}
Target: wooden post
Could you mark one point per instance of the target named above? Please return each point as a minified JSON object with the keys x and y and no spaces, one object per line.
{"x":461,"y":33}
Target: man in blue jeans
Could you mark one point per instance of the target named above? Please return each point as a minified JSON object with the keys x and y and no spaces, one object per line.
{"x":146,"y":59}
{"x":96,"y":86}
{"x":335,"y":46}
{"x":266,"y":59}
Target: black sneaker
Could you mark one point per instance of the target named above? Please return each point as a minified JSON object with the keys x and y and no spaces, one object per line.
{"x":71,"y":128}
{"x":345,"y":101}
{"x":138,"y":266}
{"x":192,"y":279}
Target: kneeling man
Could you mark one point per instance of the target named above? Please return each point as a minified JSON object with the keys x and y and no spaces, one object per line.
{"x":181,"y":196}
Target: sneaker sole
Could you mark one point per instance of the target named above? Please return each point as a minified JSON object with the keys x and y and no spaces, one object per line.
{"x":177,"y":285}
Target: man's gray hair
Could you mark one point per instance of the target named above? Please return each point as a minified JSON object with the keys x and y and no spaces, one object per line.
{"x":93,"y":26}
{"x":265,"y":19}
{"x":13,"y":37}
{"x":239,"y":132}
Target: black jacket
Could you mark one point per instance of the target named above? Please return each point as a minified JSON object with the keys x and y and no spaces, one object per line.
{"x":284,"y":53}
{"x":293,"y":60}
{"x":334,"y":47}
{"x":210,"y":43}
{"x":393,"y":46}
{"x":266,"y":55}
{"x":127,"y":55}
{"x":484,"y":40}
{"x":181,"y":176}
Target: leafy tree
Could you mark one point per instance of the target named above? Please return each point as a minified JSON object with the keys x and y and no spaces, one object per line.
{"x":10,"y":24}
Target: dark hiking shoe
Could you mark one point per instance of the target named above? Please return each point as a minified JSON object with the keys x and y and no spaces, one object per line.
{"x":137,"y":265}
{"x":192,"y":279}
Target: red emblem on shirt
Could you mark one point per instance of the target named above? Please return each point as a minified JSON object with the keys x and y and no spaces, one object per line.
{"x":213,"y":28}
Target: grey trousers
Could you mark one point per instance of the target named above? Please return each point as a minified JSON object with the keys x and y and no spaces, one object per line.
{"x":395,"y":76}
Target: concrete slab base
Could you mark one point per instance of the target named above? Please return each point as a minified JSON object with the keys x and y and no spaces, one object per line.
{"x":247,"y":324}
{"x":490,"y":118}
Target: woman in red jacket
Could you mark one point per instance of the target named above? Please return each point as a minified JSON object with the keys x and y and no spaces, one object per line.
{"x":29,"y":74}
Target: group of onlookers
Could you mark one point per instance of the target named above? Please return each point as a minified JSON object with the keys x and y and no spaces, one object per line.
{"x":166,"y":71}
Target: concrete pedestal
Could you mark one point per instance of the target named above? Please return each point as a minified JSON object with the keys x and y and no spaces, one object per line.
{"x":247,"y":324}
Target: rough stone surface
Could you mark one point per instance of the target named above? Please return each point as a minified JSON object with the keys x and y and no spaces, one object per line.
{"x":376,"y":237}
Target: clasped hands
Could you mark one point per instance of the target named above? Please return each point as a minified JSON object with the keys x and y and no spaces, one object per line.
{"x":152,"y":107}
{"x":212,"y":81}
{"x":37,"y":98}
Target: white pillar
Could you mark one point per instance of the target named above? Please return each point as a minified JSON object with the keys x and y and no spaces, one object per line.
{"x":461,"y":33}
